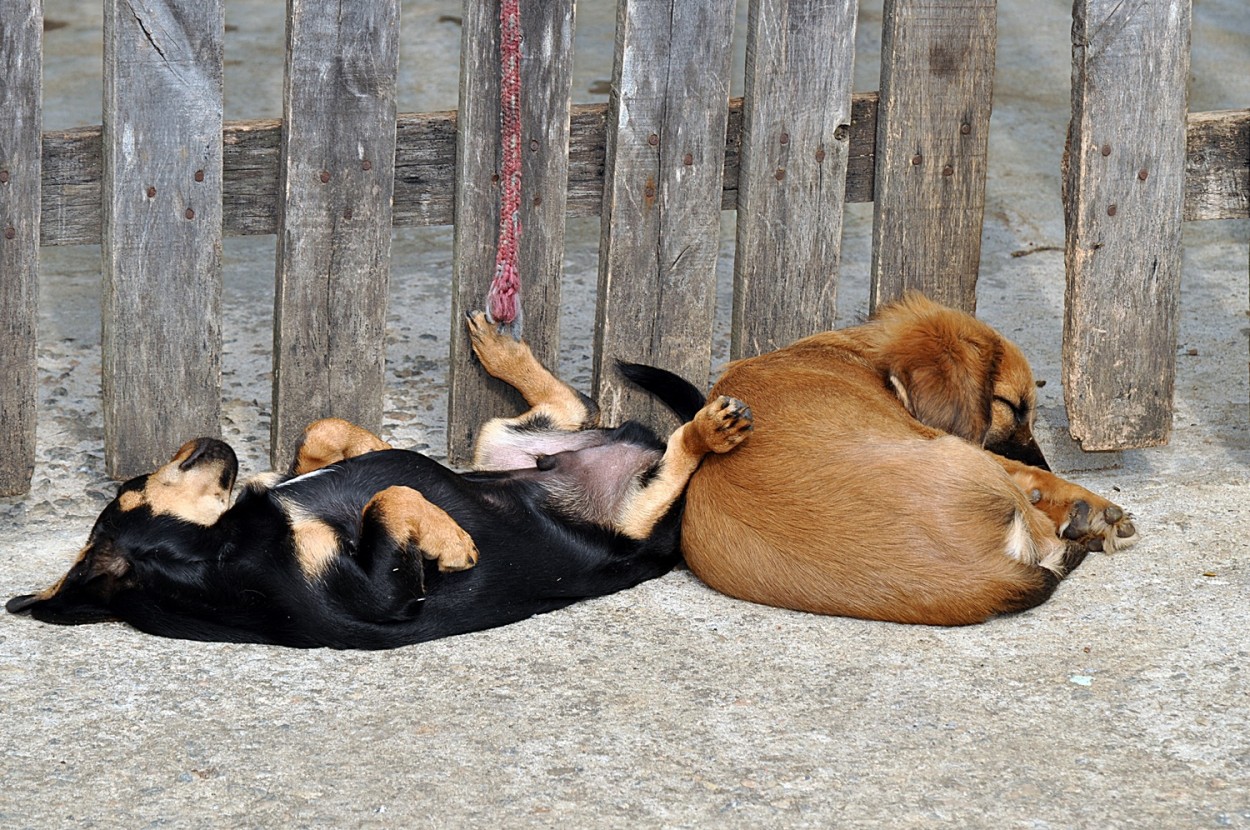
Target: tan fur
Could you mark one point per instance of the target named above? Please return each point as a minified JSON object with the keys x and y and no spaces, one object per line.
{"x":316,"y":543}
{"x":852,"y":499}
{"x":193,"y":495}
{"x":411,"y":519}
{"x":331,"y":440}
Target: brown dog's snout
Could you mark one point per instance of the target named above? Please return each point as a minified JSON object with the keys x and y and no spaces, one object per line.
{"x":1022,"y":447}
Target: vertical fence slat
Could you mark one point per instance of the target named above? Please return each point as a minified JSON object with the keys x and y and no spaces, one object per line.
{"x":161,"y":309}
{"x":334,"y":236}
{"x":21,"y":66}
{"x":546,"y":79}
{"x":662,"y":190}
{"x":937,"y":77}
{"x":792,"y":181}
{"x":1124,"y":200}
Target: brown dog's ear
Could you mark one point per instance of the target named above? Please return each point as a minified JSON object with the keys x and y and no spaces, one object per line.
{"x":946,"y":379}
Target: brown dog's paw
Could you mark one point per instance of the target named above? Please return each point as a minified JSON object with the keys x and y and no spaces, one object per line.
{"x":1083,"y":517}
{"x":724,"y":423}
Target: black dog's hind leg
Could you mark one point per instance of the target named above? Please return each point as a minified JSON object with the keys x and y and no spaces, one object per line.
{"x":555,"y":407}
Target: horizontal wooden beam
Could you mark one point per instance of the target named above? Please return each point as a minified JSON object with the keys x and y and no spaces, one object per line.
{"x":425,"y":157}
{"x":1217,"y":170}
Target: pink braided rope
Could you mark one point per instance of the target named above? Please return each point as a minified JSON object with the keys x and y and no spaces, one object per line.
{"x":504,"y":298}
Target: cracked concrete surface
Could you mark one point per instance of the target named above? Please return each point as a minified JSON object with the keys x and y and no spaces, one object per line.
{"x":1122,"y":702}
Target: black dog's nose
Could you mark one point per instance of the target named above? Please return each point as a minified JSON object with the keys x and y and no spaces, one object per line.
{"x":207,"y":449}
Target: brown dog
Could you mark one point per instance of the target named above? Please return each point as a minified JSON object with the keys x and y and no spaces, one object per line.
{"x":892,"y":475}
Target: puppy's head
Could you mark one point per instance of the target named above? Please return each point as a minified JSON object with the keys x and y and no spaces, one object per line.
{"x":148,"y":539}
{"x":954,"y":373}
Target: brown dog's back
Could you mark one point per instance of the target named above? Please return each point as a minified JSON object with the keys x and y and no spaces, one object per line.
{"x":842,"y":503}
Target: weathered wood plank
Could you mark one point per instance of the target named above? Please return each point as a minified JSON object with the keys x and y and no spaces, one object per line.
{"x":1124,"y":208}
{"x":161,"y":309}
{"x":334,"y":239}
{"x":937,"y":76}
{"x":546,"y":80}
{"x":425,"y":156}
{"x":21,"y":73}
{"x":795,"y":141}
{"x":667,"y":119}
{"x":1217,"y":165}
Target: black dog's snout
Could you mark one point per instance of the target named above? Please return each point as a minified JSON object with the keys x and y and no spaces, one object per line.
{"x":209,"y":449}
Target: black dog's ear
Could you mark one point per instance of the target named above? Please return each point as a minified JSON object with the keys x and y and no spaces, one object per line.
{"x":83,"y":595}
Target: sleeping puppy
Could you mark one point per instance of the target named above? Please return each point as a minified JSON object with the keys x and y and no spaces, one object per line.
{"x":892,"y":475}
{"x":331,"y":554}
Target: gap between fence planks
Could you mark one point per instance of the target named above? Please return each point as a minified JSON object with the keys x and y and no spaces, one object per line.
{"x":546,"y":82}
{"x":1123,"y":203}
{"x":937,"y":80}
{"x":334,"y":239}
{"x":21,"y":64}
{"x":162,"y":210}
{"x":660,"y":226}
{"x":792,"y":179}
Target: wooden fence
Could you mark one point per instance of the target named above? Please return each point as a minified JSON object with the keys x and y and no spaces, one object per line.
{"x":161,"y":181}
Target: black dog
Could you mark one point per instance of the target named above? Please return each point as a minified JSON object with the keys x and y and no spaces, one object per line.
{"x":331,"y":553}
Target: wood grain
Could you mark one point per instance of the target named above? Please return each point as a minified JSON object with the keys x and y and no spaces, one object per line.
{"x":161,"y":233}
{"x":1124,"y":201}
{"x":21,"y":65}
{"x":792,"y":179}
{"x":937,"y":76}
{"x":334,"y":239}
{"x":546,"y":79}
{"x":660,"y":238}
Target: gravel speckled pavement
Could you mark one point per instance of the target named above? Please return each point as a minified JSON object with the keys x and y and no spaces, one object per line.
{"x":1121,"y":703}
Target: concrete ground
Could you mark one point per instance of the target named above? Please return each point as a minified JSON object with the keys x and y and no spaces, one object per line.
{"x":1122,"y":702}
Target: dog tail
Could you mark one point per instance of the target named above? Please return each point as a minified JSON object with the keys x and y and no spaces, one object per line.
{"x":675,"y":392}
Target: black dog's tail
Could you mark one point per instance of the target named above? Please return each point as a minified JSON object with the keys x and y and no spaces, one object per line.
{"x":677,"y":393}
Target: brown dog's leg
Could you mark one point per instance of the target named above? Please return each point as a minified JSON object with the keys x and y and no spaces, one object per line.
{"x":331,"y":440}
{"x":1080,"y":516}
{"x":550,"y":399}
{"x":410,"y":519}
{"x":718,"y":427}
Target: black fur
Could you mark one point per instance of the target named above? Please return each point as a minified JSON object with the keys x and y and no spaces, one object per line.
{"x":239,"y":580}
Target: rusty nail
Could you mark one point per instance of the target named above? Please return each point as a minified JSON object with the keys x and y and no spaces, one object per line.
{"x":687,"y":159}
{"x":653,"y":139}
{"x":199,"y":175}
{"x":650,"y":191}
{"x":840,"y":132}
{"x":965,"y":129}
{"x":190,"y":213}
{"x":9,"y":233}
{"x":820,"y":154}
{"x":1106,"y":149}
{"x":785,"y":138}
{"x":366,"y":165}
{"x":151,"y":192}
{"x":1111,"y":210}
{"x":1142,"y":174}
{"x":325,"y":176}
{"x":916,"y":159}
{"x":781,"y":173}
{"x":4,"y":176}
{"x":538,"y":200}
{"x":948,"y":170}
{"x":494,"y":178}
{"x":534,"y":145}
{"x":347,"y":213}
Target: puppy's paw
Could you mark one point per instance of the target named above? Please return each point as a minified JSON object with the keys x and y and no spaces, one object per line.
{"x":500,"y":354}
{"x":724,"y":423}
{"x":451,"y":547}
{"x":1080,"y":516}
